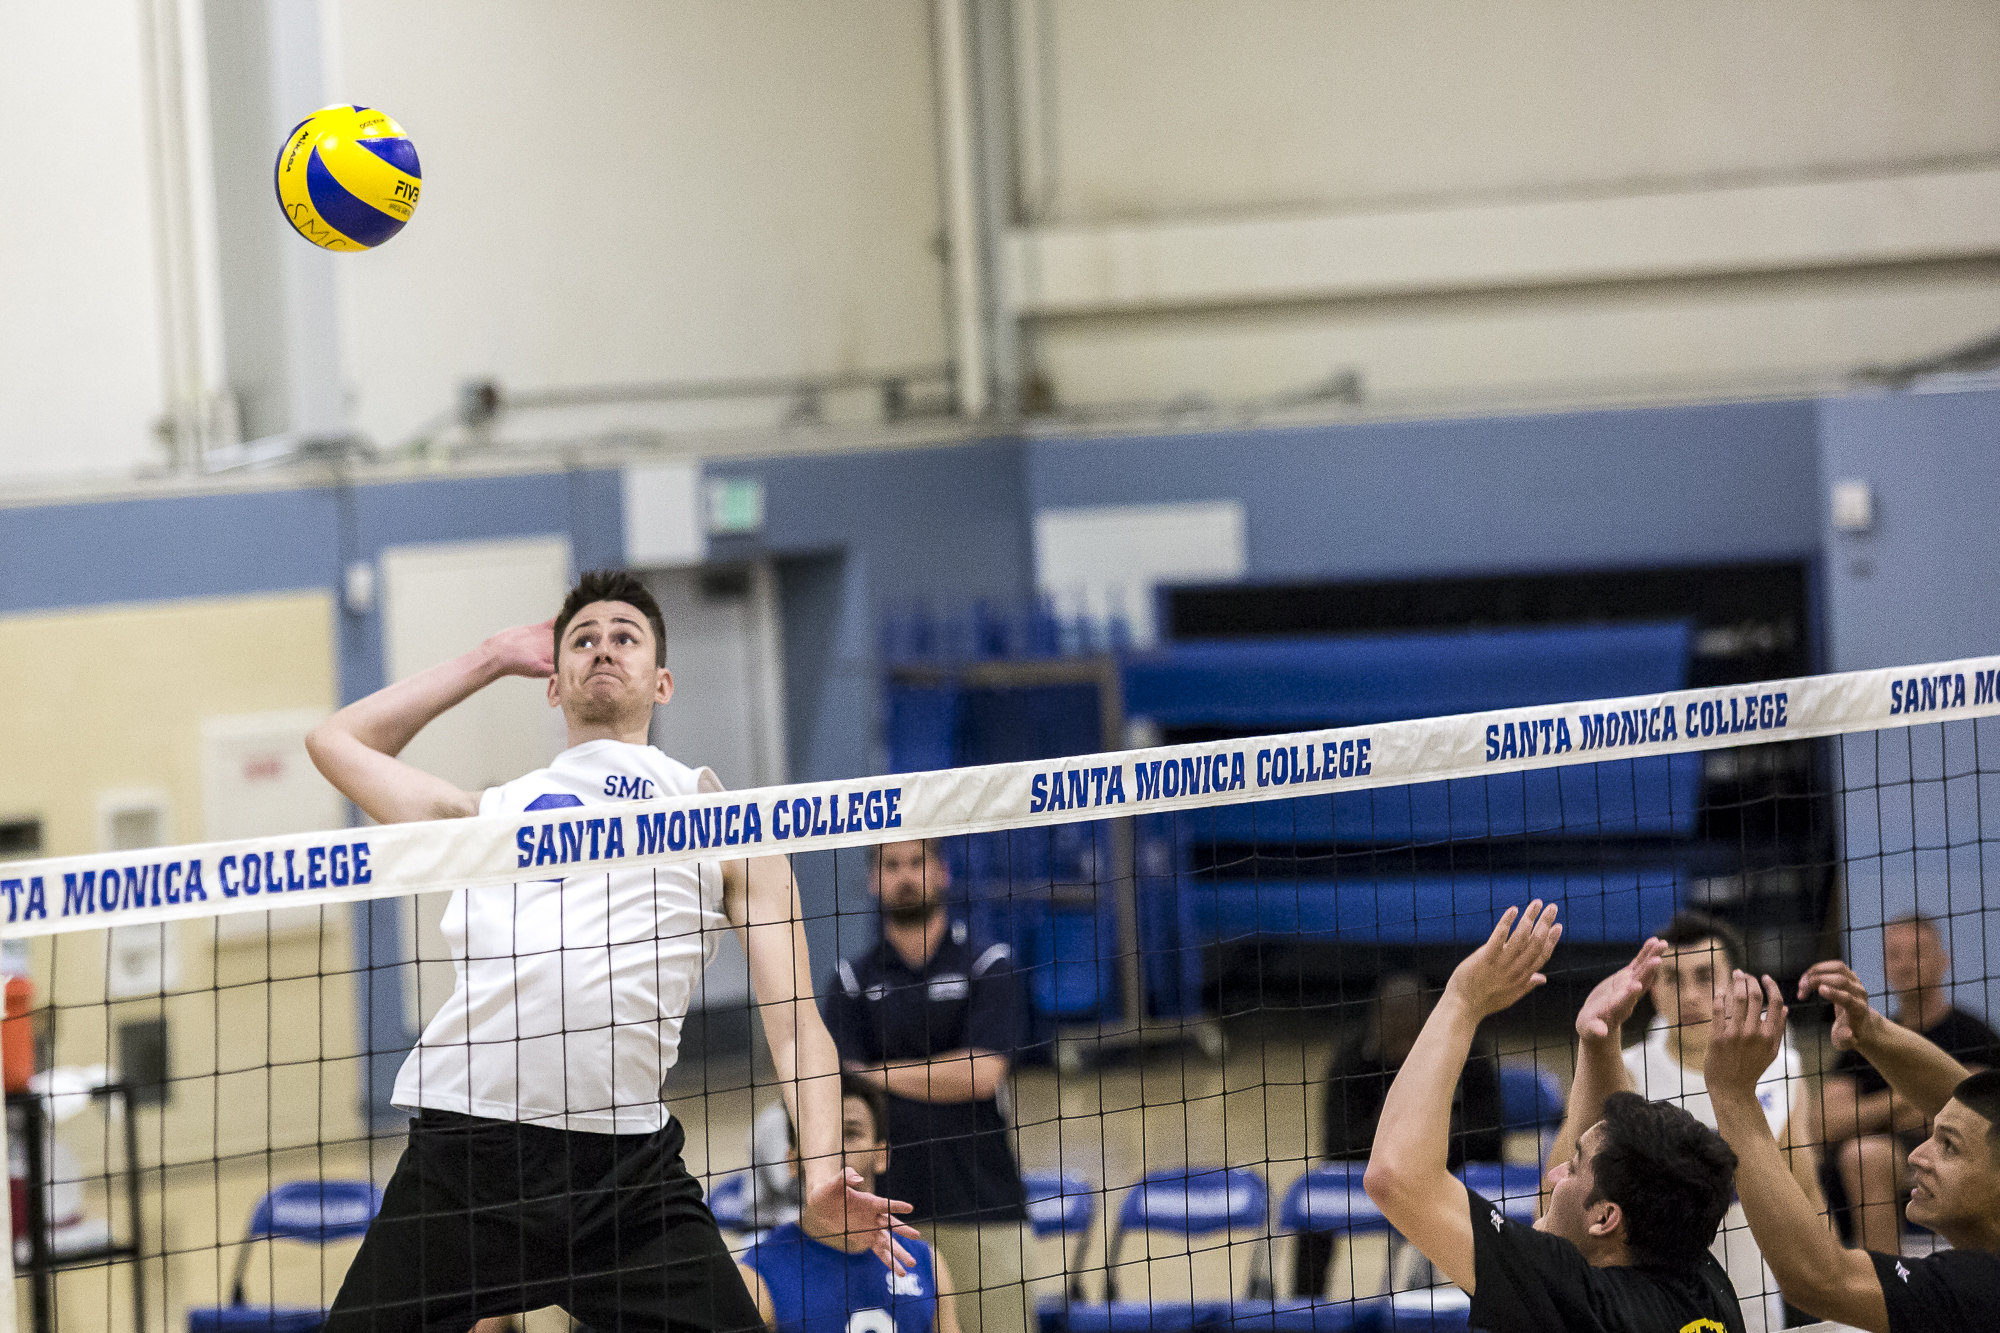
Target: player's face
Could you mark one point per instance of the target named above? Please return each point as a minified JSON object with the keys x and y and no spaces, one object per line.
{"x":1913,"y":956}
{"x":607,"y":668}
{"x":1953,"y":1174}
{"x":861,"y":1145}
{"x":908,"y":877}
{"x":1684,"y":989}
{"x":1570,"y":1213}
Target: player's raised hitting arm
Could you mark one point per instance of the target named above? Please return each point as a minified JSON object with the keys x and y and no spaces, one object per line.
{"x":1407,"y":1172}
{"x":356,"y":748}
{"x":762,"y":900}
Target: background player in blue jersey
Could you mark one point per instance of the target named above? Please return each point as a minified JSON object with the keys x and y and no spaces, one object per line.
{"x":802,"y":1285}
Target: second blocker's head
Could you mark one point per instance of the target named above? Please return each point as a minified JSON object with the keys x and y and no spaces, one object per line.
{"x":610,"y":652}
{"x":1702,"y":953}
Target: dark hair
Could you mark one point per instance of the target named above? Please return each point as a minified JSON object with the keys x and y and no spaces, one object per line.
{"x":853,"y":1085}
{"x":1980,"y":1094}
{"x":1671,"y":1175}
{"x":614,"y":585}
{"x":933,"y":848}
{"x":1693,"y":927}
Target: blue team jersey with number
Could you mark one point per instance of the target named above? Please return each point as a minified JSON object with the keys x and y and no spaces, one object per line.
{"x":818,"y":1289}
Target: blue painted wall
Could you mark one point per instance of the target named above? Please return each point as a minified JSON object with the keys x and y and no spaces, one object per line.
{"x":856,"y":535}
{"x":1919,"y":586}
{"x":1594,"y":490}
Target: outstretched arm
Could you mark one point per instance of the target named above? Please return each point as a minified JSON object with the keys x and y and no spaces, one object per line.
{"x":356,"y":748}
{"x":1812,"y":1269}
{"x":1600,"y":1063}
{"x":762,"y":900}
{"x":760,"y":1294}
{"x":1407,"y":1176}
{"x":967,"y":1074}
{"x":1920,"y":1073}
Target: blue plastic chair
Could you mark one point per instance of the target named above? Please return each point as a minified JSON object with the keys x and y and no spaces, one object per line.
{"x":729,"y":1200}
{"x":1530,"y":1098}
{"x":1195,"y":1201}
{"x":1062,"y":1205}
{"x":1330,"y":1198}
{"x":1512,"y":1188}
{"x":313,"y":1212}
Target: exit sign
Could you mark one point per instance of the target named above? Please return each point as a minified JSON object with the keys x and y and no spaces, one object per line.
{"x":735,"y":505}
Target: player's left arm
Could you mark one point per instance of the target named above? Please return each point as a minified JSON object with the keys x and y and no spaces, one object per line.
{"x":760,"y":1292}
{"x":947,"y":1295}
{"x":968,"y":1074}
{"x":1813,"y":1270}
{"x":1407,"y":1172}
{"x":762,"y":901}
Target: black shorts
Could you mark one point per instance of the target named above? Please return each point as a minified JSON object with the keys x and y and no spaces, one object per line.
{"x":490,"y":1217}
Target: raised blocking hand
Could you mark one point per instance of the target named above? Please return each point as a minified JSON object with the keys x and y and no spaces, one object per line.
{"x":1853,"y":1016}
{"x":1508,"y":965}
{"x":1748,"y":1031}
{"x":837,"y":1214}
{"x":1613,"y":999}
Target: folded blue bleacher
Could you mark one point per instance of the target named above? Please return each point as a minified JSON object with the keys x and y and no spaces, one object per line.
{"x":1443,"y":1309}
{"x":1309,"y":1315}
{"x":1133,"y":1317}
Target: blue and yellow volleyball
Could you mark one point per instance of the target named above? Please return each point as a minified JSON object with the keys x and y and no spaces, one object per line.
{"x":348,"y":178}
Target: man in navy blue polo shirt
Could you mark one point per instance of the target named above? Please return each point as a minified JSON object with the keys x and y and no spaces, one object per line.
{"x":929,"y":1016}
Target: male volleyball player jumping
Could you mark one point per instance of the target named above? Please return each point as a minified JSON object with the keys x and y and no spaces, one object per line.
{"x":543,"y":1167}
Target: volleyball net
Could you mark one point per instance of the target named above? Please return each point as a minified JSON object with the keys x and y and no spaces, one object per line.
{"x":1215,"y":951}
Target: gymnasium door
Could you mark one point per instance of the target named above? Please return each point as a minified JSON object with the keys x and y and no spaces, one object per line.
{"x":726,"y":651}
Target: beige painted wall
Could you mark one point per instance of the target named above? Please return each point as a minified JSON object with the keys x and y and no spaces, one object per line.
{"x":262,"y":1031}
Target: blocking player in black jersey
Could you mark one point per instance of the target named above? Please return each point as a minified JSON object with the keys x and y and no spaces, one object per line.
{"x":1623,"y":1244}
{"x":1955,"y":1173}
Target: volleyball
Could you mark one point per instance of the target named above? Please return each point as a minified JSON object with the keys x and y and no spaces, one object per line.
{"x":347,"y":178}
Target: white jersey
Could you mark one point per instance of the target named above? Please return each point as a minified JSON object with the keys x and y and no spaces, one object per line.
{"x":570,"y":993}
{"x":1659,"y":1077}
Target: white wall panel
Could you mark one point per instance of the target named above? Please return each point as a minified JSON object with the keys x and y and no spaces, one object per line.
{"x":1170,"y":108}
{"x":1105,"y":561}
{"x":1468,"y":201}
{"x":80,"y":349}
{"x":624,"y":191}
{"x":1750,"y":229}
{"x":1548,"y":348}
